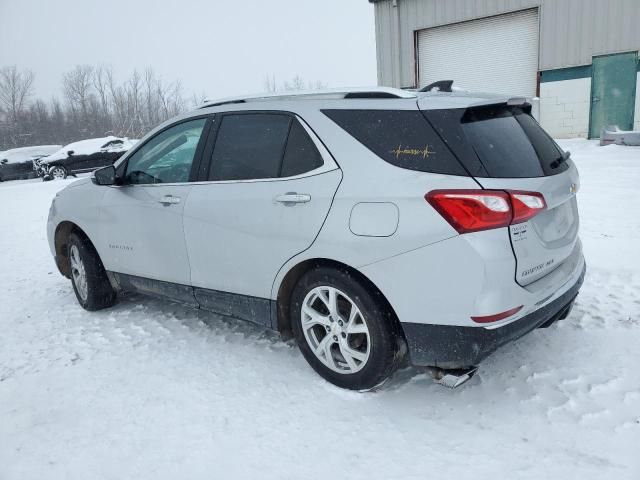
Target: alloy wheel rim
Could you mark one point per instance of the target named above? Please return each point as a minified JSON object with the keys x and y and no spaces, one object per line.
{"x":57,"y":173}
{"x":335,"y":330}
{"x":78,"y":273}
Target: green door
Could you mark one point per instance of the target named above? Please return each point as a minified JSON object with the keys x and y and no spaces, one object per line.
{"x":613,"y":92}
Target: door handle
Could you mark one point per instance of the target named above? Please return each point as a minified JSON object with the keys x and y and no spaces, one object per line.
{"x":169,"y":200}
{"x":596,"y":99}
{"x":291,"y":198}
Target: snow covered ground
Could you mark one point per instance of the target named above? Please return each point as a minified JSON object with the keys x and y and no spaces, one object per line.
{"x":153,"y":390}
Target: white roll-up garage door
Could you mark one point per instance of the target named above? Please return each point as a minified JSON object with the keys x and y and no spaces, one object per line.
{"x":495,"y":54}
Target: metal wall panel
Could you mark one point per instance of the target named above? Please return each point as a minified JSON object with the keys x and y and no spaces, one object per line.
{"x":571,"y":31}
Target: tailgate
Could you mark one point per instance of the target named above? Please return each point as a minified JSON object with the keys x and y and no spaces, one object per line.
{"x":504,"y":148}
{"x":544,"y":242}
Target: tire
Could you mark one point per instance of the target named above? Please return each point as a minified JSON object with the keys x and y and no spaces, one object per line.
{"x":374,"y":355}
{"x":58,"y":172}
{"x":88,"y":276}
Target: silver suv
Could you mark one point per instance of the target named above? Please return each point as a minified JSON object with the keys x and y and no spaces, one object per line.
{"x":373,"y":225}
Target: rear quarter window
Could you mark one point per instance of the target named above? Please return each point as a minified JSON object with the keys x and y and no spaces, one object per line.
{"x":300,"y":155}
{"x":402,"y":138}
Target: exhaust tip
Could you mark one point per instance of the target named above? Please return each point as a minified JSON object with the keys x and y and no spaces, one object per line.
{"x":452,"y":378}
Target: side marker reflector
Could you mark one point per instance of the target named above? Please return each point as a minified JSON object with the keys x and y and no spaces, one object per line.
{"x":498,"y":316}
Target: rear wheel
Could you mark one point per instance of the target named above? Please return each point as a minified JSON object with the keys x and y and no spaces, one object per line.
{"x":58,"y":172}
{"x":344,"y":330}
{"x":88,"y":276}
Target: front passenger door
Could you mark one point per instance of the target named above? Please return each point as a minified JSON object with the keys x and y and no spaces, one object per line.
{"x":142,"y":218}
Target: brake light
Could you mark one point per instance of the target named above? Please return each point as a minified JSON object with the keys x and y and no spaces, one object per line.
{"x":472,"y":210}
{"x":475,"y":210}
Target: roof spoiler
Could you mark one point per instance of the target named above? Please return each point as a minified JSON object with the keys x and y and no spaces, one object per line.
{"x":518,"y":102}
{"x":441,"y":85}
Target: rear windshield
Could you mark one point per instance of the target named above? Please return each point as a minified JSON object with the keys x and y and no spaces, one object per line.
{"x":401,"y":137}
{"x":498,"y":141}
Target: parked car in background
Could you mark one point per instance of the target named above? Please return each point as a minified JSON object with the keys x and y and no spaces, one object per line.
{"x":85,"y":156}
{"x":17,"y":163}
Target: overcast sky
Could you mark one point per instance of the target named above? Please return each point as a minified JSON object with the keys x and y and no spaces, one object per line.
{"x":215,"y":47}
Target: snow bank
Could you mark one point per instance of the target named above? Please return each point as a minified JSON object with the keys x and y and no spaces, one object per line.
{"x":609,"y":199}
{"x":153,"y":390}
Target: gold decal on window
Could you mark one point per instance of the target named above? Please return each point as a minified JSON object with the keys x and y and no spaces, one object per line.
{"x":424,"y":152}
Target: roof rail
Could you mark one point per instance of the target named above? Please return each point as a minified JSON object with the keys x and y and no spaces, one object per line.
{"x":331,"y":93}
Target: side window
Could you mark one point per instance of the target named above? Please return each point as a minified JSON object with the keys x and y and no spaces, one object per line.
{"x":167,"y":157}
{"x":113,"y":145}
{"x":301,"y":155}
{"x":249,"y":146}
{"x":403,"y":138}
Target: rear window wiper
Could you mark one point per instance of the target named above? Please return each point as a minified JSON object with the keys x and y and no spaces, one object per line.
{"x":561,"y":159}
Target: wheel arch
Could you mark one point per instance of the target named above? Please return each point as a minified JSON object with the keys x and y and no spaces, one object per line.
{"x":291,"y":278}
{"x":61,"y":239}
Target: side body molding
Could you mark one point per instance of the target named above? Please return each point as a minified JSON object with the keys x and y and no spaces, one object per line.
{"x":243,"y":307}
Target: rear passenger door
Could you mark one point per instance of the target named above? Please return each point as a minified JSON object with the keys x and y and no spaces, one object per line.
{"x":263,"y":195}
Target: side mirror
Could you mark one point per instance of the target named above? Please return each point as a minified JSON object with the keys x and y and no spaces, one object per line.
{"x":70,"y":152}
{"x":105,"y":176}
{"x":4,"y":161}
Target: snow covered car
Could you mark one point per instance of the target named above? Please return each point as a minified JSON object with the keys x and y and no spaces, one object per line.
{"x":17,"y":163}
{"x":86,"y":156}
{"x":370,"y":224}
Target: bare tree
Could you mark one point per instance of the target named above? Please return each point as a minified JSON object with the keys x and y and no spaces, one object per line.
{"x":296,"y":83}
{"x":16,"y":87}
{"x":162,"y":100}
{"x":100,"y":78}
{"x":133,"y":90}
{"x":270,"y":84}
{"x":119,"y":117}
{"x":198,"y":99}
{"x":78,"y":84}
{"x":95,"y":104}
{"x":317,"y":85}
{"x":151,"y":87}
{"x":172,"y":99}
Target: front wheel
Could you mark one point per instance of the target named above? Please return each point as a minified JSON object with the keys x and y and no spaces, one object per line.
{"x":88,"y":276}
{"x":344,"y":330}
{"x":58,"y":172}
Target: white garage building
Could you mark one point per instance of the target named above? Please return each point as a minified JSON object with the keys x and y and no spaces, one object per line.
{"x":579,"y":56}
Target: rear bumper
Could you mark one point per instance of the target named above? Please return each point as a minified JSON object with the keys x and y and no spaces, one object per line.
{"x":452,"y":346}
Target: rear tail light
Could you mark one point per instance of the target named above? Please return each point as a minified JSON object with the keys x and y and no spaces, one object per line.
{"x":526,"y":205}
{"x":474,"y":210}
